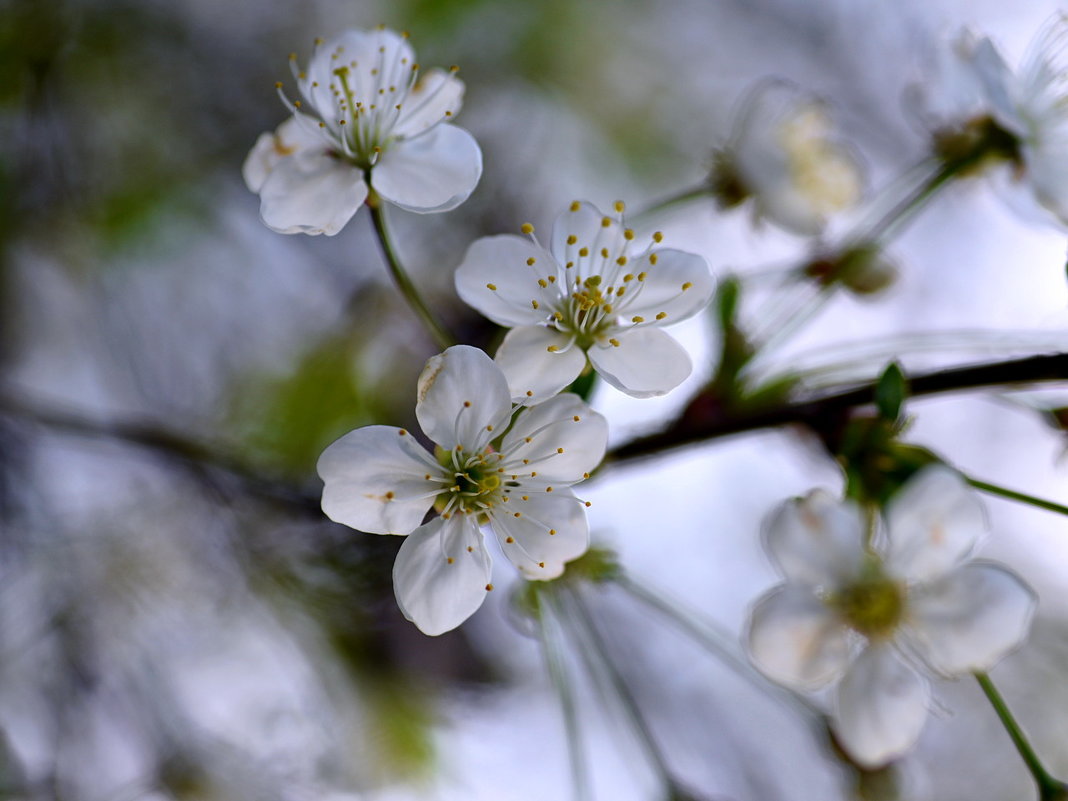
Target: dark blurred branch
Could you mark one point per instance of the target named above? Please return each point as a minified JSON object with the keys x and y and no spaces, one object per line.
{"x":168,"y":443}
{"x":698,"y":425}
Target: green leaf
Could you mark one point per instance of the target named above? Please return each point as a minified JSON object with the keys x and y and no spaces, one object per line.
{"x":890,"y":392}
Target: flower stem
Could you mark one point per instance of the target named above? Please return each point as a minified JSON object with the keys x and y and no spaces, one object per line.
{"x":1049,"y":788}
{"x":554,"y":663}
{"x":994,"y":489}
{"x":902,"y":211}
{"x":436,"y":330}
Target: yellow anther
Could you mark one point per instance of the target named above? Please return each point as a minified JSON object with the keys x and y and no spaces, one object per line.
{"x":653,"y":258}
{"x":448,"y":113}
{"x":315,"y":84}
{"x":628,"y":277}
{"x":318,"y":40}
{"x":558,"y":316}
{"x":552,"y":531}
{"x":528,"y":439}
{"x":585,"y":475}
{"x":467,"y":404}
{"x":552,"y":349}
{"x":661,"y":315}
{"x":531,"y":261}
{"x":641,"y":276}
{"x":527,"y":228}
{"x":572,"y":239}
{"x":543,"y":283}
{"x":637,"y":319}
{"x":402,"y":432}
{"x":449,"y":560}
{"x":509,"y":540}
{"x":614,"y":343}
{"x":404,"y":34}
{"x":548,"y":489}
{"x":608,"y":308}
{"x":686,"y":286}
{"x":583,"y":253}
{"x":588,"y":504}
{"x":470,"y":548}
{"x":569,"y":265}
{"x":576,"y":418}
{"x":552,"y":279}
{"x":390,"y":496}
{"x":489,"y":587}
{"x":459,"y":448}
{"x":277,"y":84}
{"x":604,"y":253}
{"x":415,"y":67}
{"x":530,"y":393}
{"x":628,"y":234}
{"x":526,"y":497}
{"x":489,"y":428}
{"x":658,"y":237}
{"x":517,"y":514}
{"x":575,"y":205}
{"x":606,"y":221}
{"x":533,"y":473}
{"x":622,"y":260}
{"x":620,"y":291}
{"x":454,"y":69}
{"x":559,"y":450}
{"x":541,"y":564}
{"x":619,"y":206}
{"x":534,"y":303}
{"x":296,"y":103}
{"x":341,"y":122}
{"x":491,"y":286}
{"x":427,"y":476}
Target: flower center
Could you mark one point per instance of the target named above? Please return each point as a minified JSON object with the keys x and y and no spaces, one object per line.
{"x":873,"y":605}
{"x":970,"y":146}
{"x":477,"y":485}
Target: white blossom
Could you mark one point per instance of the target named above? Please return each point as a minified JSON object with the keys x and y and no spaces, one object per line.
{"x":592,"y":295}
{"x":784,"y":158}
{"x":493,"y":464}
{"x":989,"y":115}
{"x":366,"y":117}
{"x":876,"y":617}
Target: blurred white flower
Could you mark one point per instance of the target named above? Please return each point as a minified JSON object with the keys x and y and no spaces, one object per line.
{"x":380,"y":480}
{"x":784,"y":157}
{"x":869,"y":616}
{"x":366,"y":118}
{"x":983,"y":113}
{"x":587,"y":297}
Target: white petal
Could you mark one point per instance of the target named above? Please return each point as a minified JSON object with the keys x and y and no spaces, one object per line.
{"x":795,"y":639}
{"x":435,"y":171}
{"x":933,"y":521}
{"x":647,"y":362}
{"x":496,"y":279}
{"x":995,"y":77}
{"x":438,"y":95}
{"x":292,"y":136}
{"x":530,"y":366}
{"x":586,"y":224}
{"x":360,"y":468}
{"x":377,"y":58}
{"x":970,"y":618}
{"x":662,"y":290}
{"x":537,"y":553}
{"x":882,"y":706}
{"x":442,"y":574}
{"x":311,"y":193}
{"x":460,"y":392}
{"x":816,"y":540}
{"x":567,"y":440}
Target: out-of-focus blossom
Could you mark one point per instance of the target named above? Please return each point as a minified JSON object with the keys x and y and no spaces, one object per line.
{"x":784,"y":158}
{"x":866,"y":615}
{"x":984,"y":114}
{"x":510,"y":469}
{"x":366,"y":118}
{"x":592,"y":295}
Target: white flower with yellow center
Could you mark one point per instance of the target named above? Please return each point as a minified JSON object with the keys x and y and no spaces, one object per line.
{"x":495,"y":465}
{"x":869,"y":616}
{"x":783,"y":156}
{"x":986,"y":114}
{"x":593,"y":294}
{"x":366,"y":118}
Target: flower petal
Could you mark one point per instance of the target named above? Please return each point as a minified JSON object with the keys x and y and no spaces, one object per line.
{"x":497,"y":279}
{"x":662,"y":292}
{"x":647,"y":362}
{"x":587,"y":224}
{"x":375,"y":481}
{"x":530,"y":366}
{"x":311,"y":192}
{"x":437,"y":96}
{"x":435,"y":171}
{"x":541,"y":534}
{"x":567,"y":440}
{"x":442,"y":574}
{"x":882,"y":706}
{"x":795,"y":639}
{"x":970,"y":618}
{"x":292,"y":136}
{"x":816,"y":540}
{"x":933,"y":521}
{"x":460,"y":393}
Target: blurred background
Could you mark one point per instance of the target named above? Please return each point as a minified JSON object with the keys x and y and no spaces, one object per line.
{"x":177,"y":618}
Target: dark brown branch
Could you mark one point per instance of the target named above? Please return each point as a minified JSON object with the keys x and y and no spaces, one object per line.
{"x":818,"y":411}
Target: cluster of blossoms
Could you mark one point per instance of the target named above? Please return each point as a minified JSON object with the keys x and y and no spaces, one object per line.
{"x":872,"y":608}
